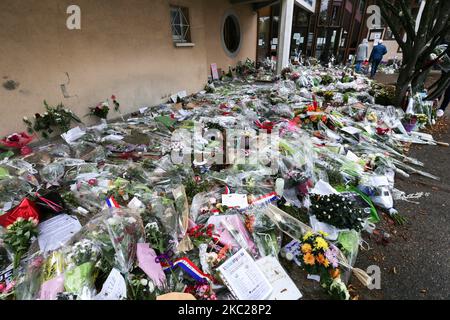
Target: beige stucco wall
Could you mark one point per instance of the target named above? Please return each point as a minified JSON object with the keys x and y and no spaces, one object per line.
{"x":124,"y":48}
{"x":214,"y":17}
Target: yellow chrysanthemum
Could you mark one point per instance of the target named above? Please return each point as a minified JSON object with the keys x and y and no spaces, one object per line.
{"x":307,"y":235}
{"x":320,"y":243}
{"x":326,"y":263}
{"x":324,"y":234}
{"x":306,"y":248}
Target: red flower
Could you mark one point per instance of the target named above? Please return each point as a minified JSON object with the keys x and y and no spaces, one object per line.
{"x":14,"y":137}
{"x":113,"y":97}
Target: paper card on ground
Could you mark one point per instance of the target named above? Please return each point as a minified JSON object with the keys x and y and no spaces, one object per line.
{"x":283,"y":286}
{"x":146,"y":259}
{"x":235,"y":200}
{"x":351,"y":156}
{"x":51,"y":288}
{"x":135,"y":203}
{"x":243,"y":277}
{"x":55,"y":232}
{"x":214,"y":71}
{"x":313,"y":277}
{"x":73,"y":134}
{"x":142,"y":110}
{"x":351,"y":130}
{"x":114,"y":288}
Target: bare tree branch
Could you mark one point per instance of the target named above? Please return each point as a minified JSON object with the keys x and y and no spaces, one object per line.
{"x":396,"y":30}
{"x":408,"y":20}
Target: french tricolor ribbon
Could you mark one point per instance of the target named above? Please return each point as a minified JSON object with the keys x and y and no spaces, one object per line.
{"x":264,"y":199}
{"x":190,"y":268}
{"x":112,"y":203}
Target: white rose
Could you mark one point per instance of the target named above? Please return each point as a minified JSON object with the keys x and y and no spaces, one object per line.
{"x":151,"y":286}
{"x":144,"y":282}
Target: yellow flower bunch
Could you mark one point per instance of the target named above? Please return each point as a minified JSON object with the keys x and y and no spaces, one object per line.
{"x":307,"y":235}
{"x":320,"y":243}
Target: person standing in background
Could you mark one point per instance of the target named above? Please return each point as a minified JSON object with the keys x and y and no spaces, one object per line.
{"x":376,"y":56}
{"x":362,"y":54}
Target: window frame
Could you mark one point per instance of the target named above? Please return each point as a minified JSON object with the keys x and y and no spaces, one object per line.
{"x":185,"y":39}
{"x":231,"y":14}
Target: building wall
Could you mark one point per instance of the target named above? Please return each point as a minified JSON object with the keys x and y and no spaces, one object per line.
{"x":123,"y":48}
{"x":214,"y":17}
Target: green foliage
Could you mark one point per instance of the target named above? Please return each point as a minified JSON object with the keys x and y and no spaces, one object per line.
{"x":18,"y":237}
{"x":55,"y":118}
{"x":327,"y":79}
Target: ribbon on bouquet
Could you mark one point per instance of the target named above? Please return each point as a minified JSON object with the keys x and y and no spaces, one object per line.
{"x":190,"y":268}
{"x":52,"y":205}
{"x":165,"y":258}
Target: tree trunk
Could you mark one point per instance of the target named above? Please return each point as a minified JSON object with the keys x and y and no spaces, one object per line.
{"x":403,"y":81}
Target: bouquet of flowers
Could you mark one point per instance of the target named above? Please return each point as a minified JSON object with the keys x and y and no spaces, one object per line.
{"x":201,"y":234}
{"x":19,"y":236}
{"x":125,"y":230}
{"x":101,"y":110}
{"x":338,"y":210}
{"x":141,"y":287}
{"x":18,"y":141}
{"x":321,"y":258}
{"x":55,"y":118}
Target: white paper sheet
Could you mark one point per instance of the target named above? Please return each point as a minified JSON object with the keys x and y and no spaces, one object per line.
{"x":114,"y":288}
{"x":73,"y":134}
{"x":244,"y":278}
{"x":235,"y":200}
{"x":55,"y":232}
{"x":283,"y":286}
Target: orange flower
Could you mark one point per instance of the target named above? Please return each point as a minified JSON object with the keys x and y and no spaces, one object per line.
{"x":320,"y":258}
{"x":326,"y":263}
{"x":306,"y":248}
{"x":308,"y":258}
{"x":311,"y":108}
{"x":335,"y":273}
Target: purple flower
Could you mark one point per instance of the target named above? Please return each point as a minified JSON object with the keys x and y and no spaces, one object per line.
{"x":331,"y":254}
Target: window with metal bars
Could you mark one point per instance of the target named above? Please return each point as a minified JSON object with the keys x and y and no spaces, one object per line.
{"x":181,"y":28}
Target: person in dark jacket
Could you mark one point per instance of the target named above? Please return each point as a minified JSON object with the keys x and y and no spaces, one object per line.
{"x":376,"y":56}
